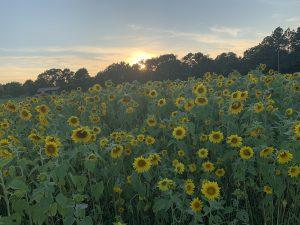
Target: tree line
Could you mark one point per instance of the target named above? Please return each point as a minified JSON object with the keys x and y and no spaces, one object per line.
{"x":280,"y":51}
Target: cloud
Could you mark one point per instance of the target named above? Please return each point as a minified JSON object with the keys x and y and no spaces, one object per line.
{"x":226,"y":30}
{"x":295,"y":20}
{"x":24,"y":63}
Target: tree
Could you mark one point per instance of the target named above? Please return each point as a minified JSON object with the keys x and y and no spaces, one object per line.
{"x":81,"y":78}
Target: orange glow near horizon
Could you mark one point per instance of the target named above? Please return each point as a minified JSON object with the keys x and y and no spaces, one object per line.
{"x":137,"y":57}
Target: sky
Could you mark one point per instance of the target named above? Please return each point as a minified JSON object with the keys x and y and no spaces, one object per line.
{"x":36,"y":35}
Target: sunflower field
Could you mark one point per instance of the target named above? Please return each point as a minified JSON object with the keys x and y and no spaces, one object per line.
{"x":212,"y":150}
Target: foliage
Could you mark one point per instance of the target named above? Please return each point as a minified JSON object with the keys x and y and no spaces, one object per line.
{"x":215,"y":150}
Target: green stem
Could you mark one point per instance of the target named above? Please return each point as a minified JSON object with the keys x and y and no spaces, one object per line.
{"x":5,"y":194}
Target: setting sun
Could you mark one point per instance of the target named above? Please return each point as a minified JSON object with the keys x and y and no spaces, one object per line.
{"x":139,"y":56}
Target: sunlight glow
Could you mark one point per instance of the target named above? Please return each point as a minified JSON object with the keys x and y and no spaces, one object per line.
{"x":137,"y":57}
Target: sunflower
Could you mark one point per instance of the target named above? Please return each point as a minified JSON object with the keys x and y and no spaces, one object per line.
{"x":200,"y":89}
{"x":268,"y":190}
{"x":236,"y":107}
{"x":179,"y":132}
{"x":161,"y":102}
{"x":51,"y":149}
{"x":179,"y":168}
{"x":42,"y":109}
{"x":73,"y":121}
{"x":155,"y":159}
{"x":53,"y":139}
{"x":81,"y":135}
{"x":141,"y":164}
{"x":246,"y":152}
{"x":116,"y":151}
{"x":181,"y":153}
{"x":243,"y":95}
{"x":284,"y":157}
{"x":192,"y":167}
{"x":189,"y":187}
{"x":25,"y":114}
{"x":215,"y":137}
{"x":258,"y":107}
{"x":202,"y":153}
{"x":289,"y":112}
{"x":5,"y":154}
{"x":189,"y":105}
{"x":103,"y":142}
{"x":296,"y":130}
{"x":203,"y":137}
{"x":151,"y":121}
{"x":210,"y":190}
{"x":200,"y":101}
{"x":235,"y":95}
{"x":294,"y":171}
{"x":152,"y":94}
{"x":196,"y":205}
{"x":179,"y":101}
{"x":149,"y":140}
{"x":220,"y":172}
{"x":208,"y":166}
{"x":234,"y":140}
{"x":266,"y":151}
{"x":34,"y":137}
{"x":165,"y":184}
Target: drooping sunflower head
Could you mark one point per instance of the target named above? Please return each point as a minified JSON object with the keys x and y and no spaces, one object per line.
{"x":284,"y":157}
{"x":268,"y":190}
{"x":201,"y":101}
{"x":266,"y":151}
{"x":165,"y":184}
{"x":25,"y":114}
{"x":179,"y":168}
{"x":236,"y":107}
{"x":116,"y":151}
{"x":258,"y":107}
{"x":81,"y":135}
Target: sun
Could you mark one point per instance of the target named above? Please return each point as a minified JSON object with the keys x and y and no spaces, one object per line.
{"x":139,"y":56}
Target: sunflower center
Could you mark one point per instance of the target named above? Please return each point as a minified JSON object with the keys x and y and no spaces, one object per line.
{"x":246,"y":152}
{"x":178,"y":132}
{"x":197,"y":205}
{"x":141,"y":163}
{"x":81,"y":134}
{"x":211,"y":190}
{"x":50,"y":149}
{"x":216,"y":136}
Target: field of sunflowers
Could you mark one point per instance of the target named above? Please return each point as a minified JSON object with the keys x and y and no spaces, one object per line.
{"x":216,"y":150}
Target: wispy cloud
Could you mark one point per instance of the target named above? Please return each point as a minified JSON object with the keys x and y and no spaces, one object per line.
{"x":226,"y":30}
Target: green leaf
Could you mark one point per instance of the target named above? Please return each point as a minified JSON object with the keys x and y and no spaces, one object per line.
{"x":86,"y":221}
{"x":18,"y":184}
{"x":161,"y":204}
{"x":79,"y":182}
{"x":97,"y":190}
